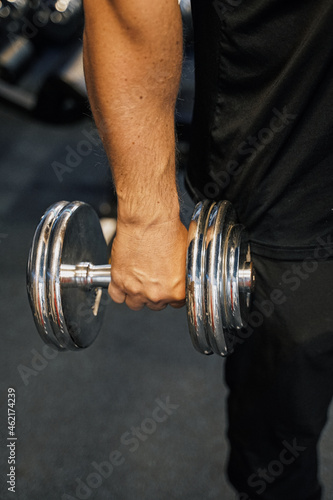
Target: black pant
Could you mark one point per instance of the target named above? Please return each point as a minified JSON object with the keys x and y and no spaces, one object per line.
{"x":281,"y":381}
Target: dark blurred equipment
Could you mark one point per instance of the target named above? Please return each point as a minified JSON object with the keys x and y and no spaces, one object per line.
{"x":16,"y":50}
{"x":41,"y":39}
{"x":57,"y":21}
{"x":63,"y":95}
{"x":41,"y":66}
{"x":185,"y":7}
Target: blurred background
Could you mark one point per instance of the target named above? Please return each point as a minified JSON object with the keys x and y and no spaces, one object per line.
{"x":86,"y":422}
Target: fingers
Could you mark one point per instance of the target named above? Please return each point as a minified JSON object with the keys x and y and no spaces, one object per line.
{"x":136,"y":302}
{"x":116,"y":294}
{"x":156,"y":307}
{"x":178,"y":305}
{"x":120,"y":296}
{"x":133,"y":303}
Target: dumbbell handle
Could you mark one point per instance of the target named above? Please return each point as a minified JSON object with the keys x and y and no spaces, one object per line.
{"x":88,"y":276}
{"x":85,"y":275}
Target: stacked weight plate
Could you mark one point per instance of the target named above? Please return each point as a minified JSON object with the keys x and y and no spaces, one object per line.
{"x":220,"y":277}
{"x":68,"y":318}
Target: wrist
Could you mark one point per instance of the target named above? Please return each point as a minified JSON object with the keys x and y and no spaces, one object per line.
{"x":156,"y":235}
{"x":148,"y":209}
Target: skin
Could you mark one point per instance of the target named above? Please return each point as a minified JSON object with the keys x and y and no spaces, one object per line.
{"x":132,"y":57}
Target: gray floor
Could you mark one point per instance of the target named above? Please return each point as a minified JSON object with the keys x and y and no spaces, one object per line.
{"x":140,"y":406}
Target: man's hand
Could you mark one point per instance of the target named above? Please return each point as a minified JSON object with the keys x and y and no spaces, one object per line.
{"x":148,"y":265}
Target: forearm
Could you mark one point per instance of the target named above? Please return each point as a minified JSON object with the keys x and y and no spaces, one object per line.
{"x":133,"y":65}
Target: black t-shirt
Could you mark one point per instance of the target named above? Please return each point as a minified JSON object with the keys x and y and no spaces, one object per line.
{"x":263,"y":118}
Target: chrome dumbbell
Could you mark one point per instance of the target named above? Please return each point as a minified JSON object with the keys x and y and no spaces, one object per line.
{"x":67,"y":278}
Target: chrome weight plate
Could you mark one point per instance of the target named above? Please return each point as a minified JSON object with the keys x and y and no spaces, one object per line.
{"x":36,"y":274}
{"x":222,"y":219}
{"x":231,"y":295}
{"x":195,"y":277}
{"x":246,"y":277}
{"x":76,"y":313}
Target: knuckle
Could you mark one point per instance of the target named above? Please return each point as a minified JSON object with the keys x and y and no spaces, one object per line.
{"x":133,"y":305}
{"x":157,"y":298}
{"x":178,"y":295}
{"x":116,"y":281}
